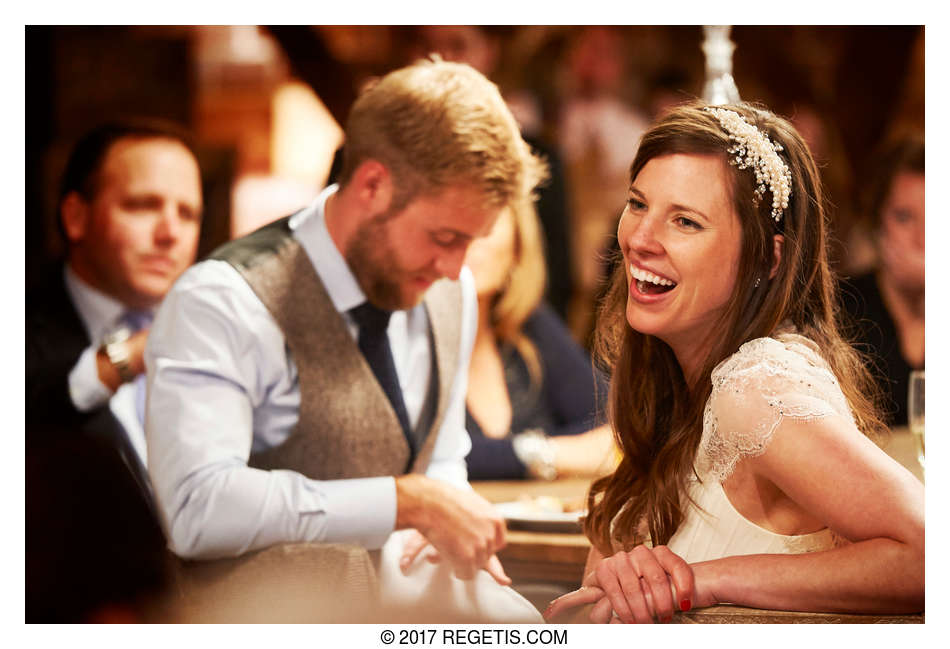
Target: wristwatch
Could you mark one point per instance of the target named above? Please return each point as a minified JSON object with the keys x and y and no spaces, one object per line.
{"x":117,"y":351}
{"x":535,"y":451}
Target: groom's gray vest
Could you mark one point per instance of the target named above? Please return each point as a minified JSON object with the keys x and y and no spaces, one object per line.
{"x":347,"y":428}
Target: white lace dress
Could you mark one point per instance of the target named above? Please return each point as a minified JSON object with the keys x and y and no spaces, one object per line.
{"x":766,"y":381}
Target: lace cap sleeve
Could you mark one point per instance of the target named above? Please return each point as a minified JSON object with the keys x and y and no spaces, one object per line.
{"x":767,"y":380}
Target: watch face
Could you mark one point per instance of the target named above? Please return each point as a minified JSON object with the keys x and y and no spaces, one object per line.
{"x":117,"y":336}
{"x":118,"y":352}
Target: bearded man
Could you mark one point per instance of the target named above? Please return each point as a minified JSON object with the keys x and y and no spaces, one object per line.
{"x":307,"y":383}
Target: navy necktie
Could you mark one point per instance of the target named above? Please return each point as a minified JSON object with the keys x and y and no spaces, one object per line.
{"x":374,"y":343}
{"x":136,"y":321}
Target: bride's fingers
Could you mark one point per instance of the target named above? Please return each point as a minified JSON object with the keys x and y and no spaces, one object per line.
{"x":637,"y":592}
{"x":655,"y":583}
{"x":609,"y":582}
{"x":650,"y":601}
{"x":584,"y":595}
{"x":620,"y":583}
{"x":681,"y":574}
{"x":602,"y":612}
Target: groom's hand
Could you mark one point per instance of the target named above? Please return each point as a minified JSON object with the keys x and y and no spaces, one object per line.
{"x":417,"y":544}
{"x":461,"y":525}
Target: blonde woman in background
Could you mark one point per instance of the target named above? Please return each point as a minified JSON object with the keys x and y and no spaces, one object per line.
{"x":533,"y":394}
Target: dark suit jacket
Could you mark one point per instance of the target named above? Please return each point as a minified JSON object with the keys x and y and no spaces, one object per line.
{"x":55,"y":338}
{"x":93,"y":535}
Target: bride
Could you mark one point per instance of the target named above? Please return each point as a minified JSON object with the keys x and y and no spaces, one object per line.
{"x":748,"y":472}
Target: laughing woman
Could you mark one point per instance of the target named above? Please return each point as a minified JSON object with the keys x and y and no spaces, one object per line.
{"x":748,"y":472}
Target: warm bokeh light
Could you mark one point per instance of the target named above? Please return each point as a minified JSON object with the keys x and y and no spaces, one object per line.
{"x":304,"y":134}
{"x":258,"y":199}
{"x":304,"y":137}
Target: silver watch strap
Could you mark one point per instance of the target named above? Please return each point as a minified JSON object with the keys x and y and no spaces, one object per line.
{"x":117,"y":351}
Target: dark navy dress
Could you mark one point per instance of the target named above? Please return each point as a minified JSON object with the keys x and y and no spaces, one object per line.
{"x":570,"y":399}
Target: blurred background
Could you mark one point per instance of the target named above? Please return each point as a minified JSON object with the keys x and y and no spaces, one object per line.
{"x":266,"y":104}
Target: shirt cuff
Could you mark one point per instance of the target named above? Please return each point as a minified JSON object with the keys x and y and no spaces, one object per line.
{"x":361,"y":510}
{"x":85,"y":389}
{"x":453,"y":472}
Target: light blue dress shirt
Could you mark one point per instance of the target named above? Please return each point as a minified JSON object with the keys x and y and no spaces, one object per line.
{"x":222,"y":383}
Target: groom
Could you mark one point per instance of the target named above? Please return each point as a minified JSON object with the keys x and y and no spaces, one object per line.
{"x":307,"y":384}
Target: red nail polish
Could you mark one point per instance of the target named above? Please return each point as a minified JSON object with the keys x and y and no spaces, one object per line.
{"x":685,"y":605}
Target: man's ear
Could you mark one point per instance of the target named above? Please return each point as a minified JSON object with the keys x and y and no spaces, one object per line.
{"x":374,"y":186}
{"x":74,"y":212}
{"x":777,"y":242}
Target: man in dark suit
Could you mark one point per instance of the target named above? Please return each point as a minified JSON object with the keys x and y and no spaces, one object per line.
{"x":129,"y":208}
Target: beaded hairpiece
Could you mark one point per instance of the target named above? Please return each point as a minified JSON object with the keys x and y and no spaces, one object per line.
{"x":753,"y":148}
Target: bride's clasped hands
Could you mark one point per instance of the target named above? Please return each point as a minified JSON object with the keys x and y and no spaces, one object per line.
{"x":641,"y":586}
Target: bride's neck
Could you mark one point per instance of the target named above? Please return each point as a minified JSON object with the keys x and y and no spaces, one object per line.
{"x":691,"y":359}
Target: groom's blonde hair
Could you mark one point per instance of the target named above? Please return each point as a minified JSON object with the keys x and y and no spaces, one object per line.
{"x":435,"y":123}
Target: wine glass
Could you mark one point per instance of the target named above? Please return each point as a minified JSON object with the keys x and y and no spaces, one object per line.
{"x":915,"y":411}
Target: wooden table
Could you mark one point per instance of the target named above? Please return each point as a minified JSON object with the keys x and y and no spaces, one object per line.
{"x":742,"y":615}
{"x":558,"y":559}
{"x":550,"y":557}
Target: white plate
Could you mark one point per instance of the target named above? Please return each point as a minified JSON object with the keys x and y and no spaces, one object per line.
{"x":519,"y":515}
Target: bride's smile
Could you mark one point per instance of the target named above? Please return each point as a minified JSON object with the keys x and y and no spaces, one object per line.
{"x":681,"y":242}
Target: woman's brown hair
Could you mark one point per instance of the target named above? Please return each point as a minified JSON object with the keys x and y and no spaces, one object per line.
{"x":656,"y":413}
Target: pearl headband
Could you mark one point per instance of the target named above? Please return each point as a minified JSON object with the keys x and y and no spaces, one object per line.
{"x":753,"y":148}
